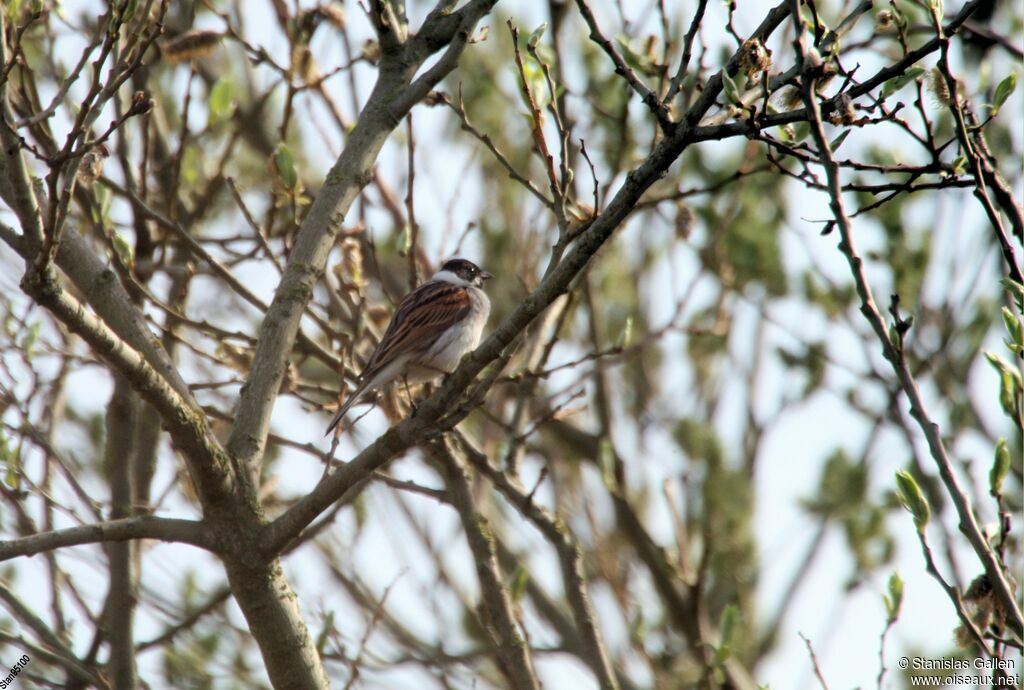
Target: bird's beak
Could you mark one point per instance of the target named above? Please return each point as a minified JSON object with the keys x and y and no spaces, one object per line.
{"x":484,"y":275}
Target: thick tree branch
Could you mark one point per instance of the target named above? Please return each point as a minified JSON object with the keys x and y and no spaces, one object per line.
{"x":119,"y":611}
{"x":189,"y":429}
{"x":145,"y":527}
{"x":413,"y":430}
{"x":272,"y":611}
{"x":353,"y":170}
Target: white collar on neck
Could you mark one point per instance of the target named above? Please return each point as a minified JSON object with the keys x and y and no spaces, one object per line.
{"x":449,"y":277}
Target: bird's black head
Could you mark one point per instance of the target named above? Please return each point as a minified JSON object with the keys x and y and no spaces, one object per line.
{"x":465,"y":270}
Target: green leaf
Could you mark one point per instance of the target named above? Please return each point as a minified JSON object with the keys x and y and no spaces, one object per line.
{"x":519,"y":581}
{"x":722,"y":655}
{"x":360,"y":509}
{"x":1010,"y":384}
{"x":732,"y":94}
{"x":1005,"y":89}
{"x":606,"y":460}
{"x":13,"y":8}
{"x":641,"y":63}
{"x":1000,"y":468}
{"x":1016,"y":331}
{"x":913,"y":499}
{"x":325,"y":632}
{"x":221,"y":101}
{"x":638,"y":627}
{"x":536,"y":35}
{"x":997,"y":362}
{"x":896,"y":83}
{"x":129,"y":10}
{"x":894,"y":599}
{"x":28,"y":343}
{"x":838,"y":141}
{"x":728,"y":624}
{"x":895,"y":339}
{"x":12,"y":458}
{"x":627,"y":334}
{"x":1015,"y":289}
{"x":103,"y":198}
{"x":1009,"y":391}
{"x":959,"y":165}
{"x":285,"y":163}
{"x":11,"y":478}
{"x":124,"y":249}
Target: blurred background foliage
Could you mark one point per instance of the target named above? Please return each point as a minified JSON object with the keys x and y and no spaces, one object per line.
{"x":649,"y":416}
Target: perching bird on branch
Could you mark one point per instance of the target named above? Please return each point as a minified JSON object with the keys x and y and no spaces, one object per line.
{"x":433,"y":327}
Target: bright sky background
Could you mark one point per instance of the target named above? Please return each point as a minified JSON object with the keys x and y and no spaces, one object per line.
{"x":844,"y":628}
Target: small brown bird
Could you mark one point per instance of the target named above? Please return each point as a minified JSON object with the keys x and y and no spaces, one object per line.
{"x":433,"y":327}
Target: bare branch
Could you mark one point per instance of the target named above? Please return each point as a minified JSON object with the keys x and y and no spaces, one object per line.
{"x":513,"y":654}
{"x":570,"y":560}
{"x":144,"y":527}
{"x":894,"y":354}
{"x":61,"y":653}
{"x":648,"y":96}
{"x":556,"y":282}
{"x":350,"y":174}
{"x":684,"y":61}
{"x":189,"y":428}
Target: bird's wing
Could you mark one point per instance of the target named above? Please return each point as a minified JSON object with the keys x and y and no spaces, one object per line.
{"x":420,"y":319}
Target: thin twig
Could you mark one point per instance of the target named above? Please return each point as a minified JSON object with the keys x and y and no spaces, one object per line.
{"x":814,"y":662}
{"x":650,"y":99}
{"x":968,"y":522}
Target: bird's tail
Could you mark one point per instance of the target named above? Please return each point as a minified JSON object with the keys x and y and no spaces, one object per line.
{"x":341,"y":412}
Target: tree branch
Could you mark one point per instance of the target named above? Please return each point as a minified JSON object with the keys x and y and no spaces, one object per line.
{"x":413,"y":430}
{"x":894,"y":354}
{"x":189,"y":429}
{"x":62,"y":654}
{"x":650,"y":99}
{"x":827,"y":106}
{"x":146,"y":527}
{"x":119,"y":611}
{"x":570,"y":559}
{"x":496,"y":606}
{"x":15,"y":181}
{"x":352,"y":171}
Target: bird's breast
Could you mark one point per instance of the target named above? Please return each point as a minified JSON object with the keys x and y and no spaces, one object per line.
{"x":464,"y":336}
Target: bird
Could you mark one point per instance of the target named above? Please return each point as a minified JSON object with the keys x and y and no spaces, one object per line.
{"x":430,"y":331}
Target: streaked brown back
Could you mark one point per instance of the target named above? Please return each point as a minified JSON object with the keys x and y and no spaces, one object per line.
{"x":413,"y":327}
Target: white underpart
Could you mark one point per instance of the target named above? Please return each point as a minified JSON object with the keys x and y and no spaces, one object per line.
{"x":442,"y":357}
{"x":461,"y":338}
